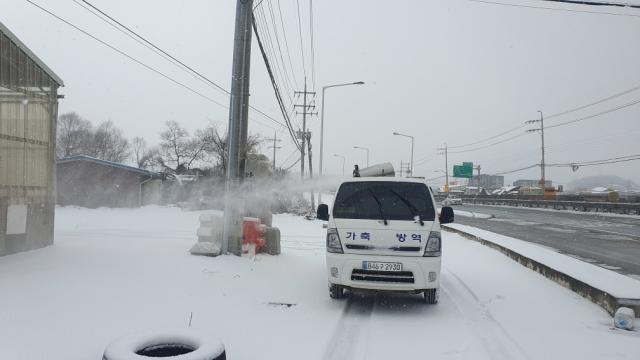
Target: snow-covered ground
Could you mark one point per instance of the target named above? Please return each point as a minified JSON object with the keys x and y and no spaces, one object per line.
{"x":605,"y":214}
{"x":472,"y":214}
{"x":618,"y":285}
{"x":114,"y":271}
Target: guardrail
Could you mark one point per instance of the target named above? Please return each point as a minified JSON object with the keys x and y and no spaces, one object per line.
{"x":586,"y":206}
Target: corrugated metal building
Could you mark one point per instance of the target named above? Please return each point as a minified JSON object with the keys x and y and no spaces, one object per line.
{"x":28,"y":113}
{"x":90,"y":182}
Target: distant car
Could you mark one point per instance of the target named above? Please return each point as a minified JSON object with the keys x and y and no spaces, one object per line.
{"x":455,"y":200}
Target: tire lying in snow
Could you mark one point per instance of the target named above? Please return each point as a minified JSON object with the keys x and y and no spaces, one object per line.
{"x":174,"y":345}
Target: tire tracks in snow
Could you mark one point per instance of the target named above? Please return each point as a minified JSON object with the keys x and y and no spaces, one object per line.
{"x":350,"y":339}
{"x":492,"y":335}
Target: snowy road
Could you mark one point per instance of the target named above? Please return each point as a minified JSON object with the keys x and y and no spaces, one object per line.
{"x":612,"y":242}
{"x":118,"y":271}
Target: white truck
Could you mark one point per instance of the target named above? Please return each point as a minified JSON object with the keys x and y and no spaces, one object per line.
{"x":384,"y":234}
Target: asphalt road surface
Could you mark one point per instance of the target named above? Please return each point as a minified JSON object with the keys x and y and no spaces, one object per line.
{"x":607,"y":241}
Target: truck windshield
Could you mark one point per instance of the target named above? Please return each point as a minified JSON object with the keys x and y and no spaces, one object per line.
{"x":396,"y":200}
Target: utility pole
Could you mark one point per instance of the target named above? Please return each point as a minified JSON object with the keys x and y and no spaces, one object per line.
{"x":542,"y":163}
{"x":478,"y":168}
{"x":275,"y":141}
{"x":305,"y":112}
{"x":445,"y":151}
{"x":237,"y":132}
{"x":313,"y":199}
{"x":306,"y":136}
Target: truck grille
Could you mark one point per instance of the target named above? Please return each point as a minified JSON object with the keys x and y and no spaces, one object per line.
{"x":382,"y":276}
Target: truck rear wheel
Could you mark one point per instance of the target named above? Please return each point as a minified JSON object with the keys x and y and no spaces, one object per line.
{"x":336,"y":291}
{"x":430,"y":296}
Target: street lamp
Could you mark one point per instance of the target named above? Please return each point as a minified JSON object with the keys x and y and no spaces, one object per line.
{"x":411,"y":137}
{"x":365,"y":149}
{"x":344,"y":159}
{"x":324,"y":88}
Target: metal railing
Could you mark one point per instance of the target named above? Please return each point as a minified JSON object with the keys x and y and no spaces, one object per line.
{"x":584,"y":206}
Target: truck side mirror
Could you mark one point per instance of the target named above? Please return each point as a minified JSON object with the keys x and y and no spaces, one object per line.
{"x":323,"y":212}
{"x":446,"y":215}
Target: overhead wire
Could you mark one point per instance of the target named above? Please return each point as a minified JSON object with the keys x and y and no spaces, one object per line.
{"x":280,"y":52}
{"x":281,"y":77}
{"x":625,"y":92}
{"x":489,"y":145}
{"x":275,"y":85}
{"x":150,"y":45}
{"x":489,"y":138}
{"x":286,"y":44}
{"x":597,"y":162}
{"x":516,"y":170}
{"x":313,"y":55}
{"x":552,"y":8}
{"x":158,"y":72}
{"x":635,"y":102}
{"x":304,"y":67}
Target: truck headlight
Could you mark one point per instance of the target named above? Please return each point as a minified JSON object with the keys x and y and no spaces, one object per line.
{"x":333,"y":242}
{"x":433,"y":244}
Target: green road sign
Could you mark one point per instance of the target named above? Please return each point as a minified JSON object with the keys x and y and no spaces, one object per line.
{"x":463,"y":171}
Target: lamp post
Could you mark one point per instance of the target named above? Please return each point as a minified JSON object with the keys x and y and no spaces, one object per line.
{"x":411,"y":137}
{"x":324,"y":88}
{"x":365,"y":149}
{"x":344,"y":159}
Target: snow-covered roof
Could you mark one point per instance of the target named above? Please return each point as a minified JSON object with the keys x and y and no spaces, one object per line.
{"x":108,"y":163}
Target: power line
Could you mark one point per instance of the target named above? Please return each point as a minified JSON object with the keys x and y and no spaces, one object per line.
{"x":304,"y":68}
{"x":625,"y":92}
{"x":595,"y":115}
{"x":277,"y":36}
{"x":599,"y":162}
{"x":516,"y":170}
{"x":271,"y":52}
{"x":127,"y":55}
{"x":313,"y":55}
{"x":156,"y":49}
{"x":552,"y":9}
{"x":489,"y":145}
{"x":489,"y":138}
{"x":286,"y":45}
{"x":594,"y":3}
{"x":275,"y":85}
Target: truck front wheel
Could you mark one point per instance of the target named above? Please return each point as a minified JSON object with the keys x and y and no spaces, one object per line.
{"x":430,"y":296}
{"x":336,"y":291}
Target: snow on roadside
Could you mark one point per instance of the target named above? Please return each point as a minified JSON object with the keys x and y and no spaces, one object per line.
{"x":114,"y":271}
{"x":471,"y":214}
{"x":632,"y":216}
{"x":618,"y":285}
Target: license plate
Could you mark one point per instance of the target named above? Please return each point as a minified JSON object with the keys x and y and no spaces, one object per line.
{"x":381,"y":266}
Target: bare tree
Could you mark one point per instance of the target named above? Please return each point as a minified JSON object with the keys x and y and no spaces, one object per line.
{"x":143,"y":156}
{"x":74,"y":135}
{"x":216,"y":145}
{"x":178,"y":151}
{"x":109,"y":143}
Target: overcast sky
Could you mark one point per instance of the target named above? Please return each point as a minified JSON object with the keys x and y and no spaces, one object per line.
{"x":450,"y":71}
